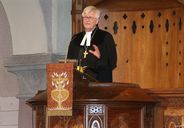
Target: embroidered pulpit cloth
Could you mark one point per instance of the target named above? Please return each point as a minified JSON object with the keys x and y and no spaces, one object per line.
{"x":60,"y":89}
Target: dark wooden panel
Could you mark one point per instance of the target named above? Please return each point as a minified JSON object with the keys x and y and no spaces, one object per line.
{"x":77,"y":120}
{"x":126,"y":118}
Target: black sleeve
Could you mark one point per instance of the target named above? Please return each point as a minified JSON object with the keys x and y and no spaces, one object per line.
{"x":108,"y":53}
{"x":71,"y":48}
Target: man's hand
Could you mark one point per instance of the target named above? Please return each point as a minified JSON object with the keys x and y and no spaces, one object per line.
{"x":96,"y":51}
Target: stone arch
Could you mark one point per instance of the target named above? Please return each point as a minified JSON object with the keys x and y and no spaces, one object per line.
{"x":7,"y":80}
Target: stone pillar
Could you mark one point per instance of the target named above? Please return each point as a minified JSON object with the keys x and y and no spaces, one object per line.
{"x":30,"y":71}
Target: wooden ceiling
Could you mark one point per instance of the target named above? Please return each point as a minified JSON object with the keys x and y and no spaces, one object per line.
{"x":126,"y":5}
{"x":181,"y":1}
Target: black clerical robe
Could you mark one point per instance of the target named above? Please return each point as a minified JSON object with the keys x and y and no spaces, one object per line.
{"x":101,"y":69}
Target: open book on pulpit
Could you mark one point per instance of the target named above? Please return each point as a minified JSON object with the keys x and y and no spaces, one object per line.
{"x":60,"y":79}
{"x":68,"y":61}
{"x":79,"y":70}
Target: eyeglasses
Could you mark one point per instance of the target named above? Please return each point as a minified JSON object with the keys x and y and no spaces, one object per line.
{"x":89,"y":18}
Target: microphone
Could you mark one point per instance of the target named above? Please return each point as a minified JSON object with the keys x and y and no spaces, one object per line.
{"x":80,"y":56}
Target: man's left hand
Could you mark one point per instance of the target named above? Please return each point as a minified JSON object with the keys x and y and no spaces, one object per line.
{"x":95,"y":52}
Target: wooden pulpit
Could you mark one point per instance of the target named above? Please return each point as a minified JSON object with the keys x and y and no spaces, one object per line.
{"x":99,"y":105}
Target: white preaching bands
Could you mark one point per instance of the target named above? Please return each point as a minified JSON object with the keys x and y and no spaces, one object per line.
{"x":87,"y":39}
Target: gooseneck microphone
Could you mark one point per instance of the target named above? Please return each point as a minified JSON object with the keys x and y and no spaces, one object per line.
{"x":80,"y":57}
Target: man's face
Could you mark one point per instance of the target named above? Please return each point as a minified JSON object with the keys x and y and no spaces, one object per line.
{"x":89,"y":21}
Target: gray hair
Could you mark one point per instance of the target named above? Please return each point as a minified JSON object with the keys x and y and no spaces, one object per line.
{"x":89,"y":9}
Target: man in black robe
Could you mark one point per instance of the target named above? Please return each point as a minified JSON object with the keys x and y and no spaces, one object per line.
{"x":94,"y":48}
